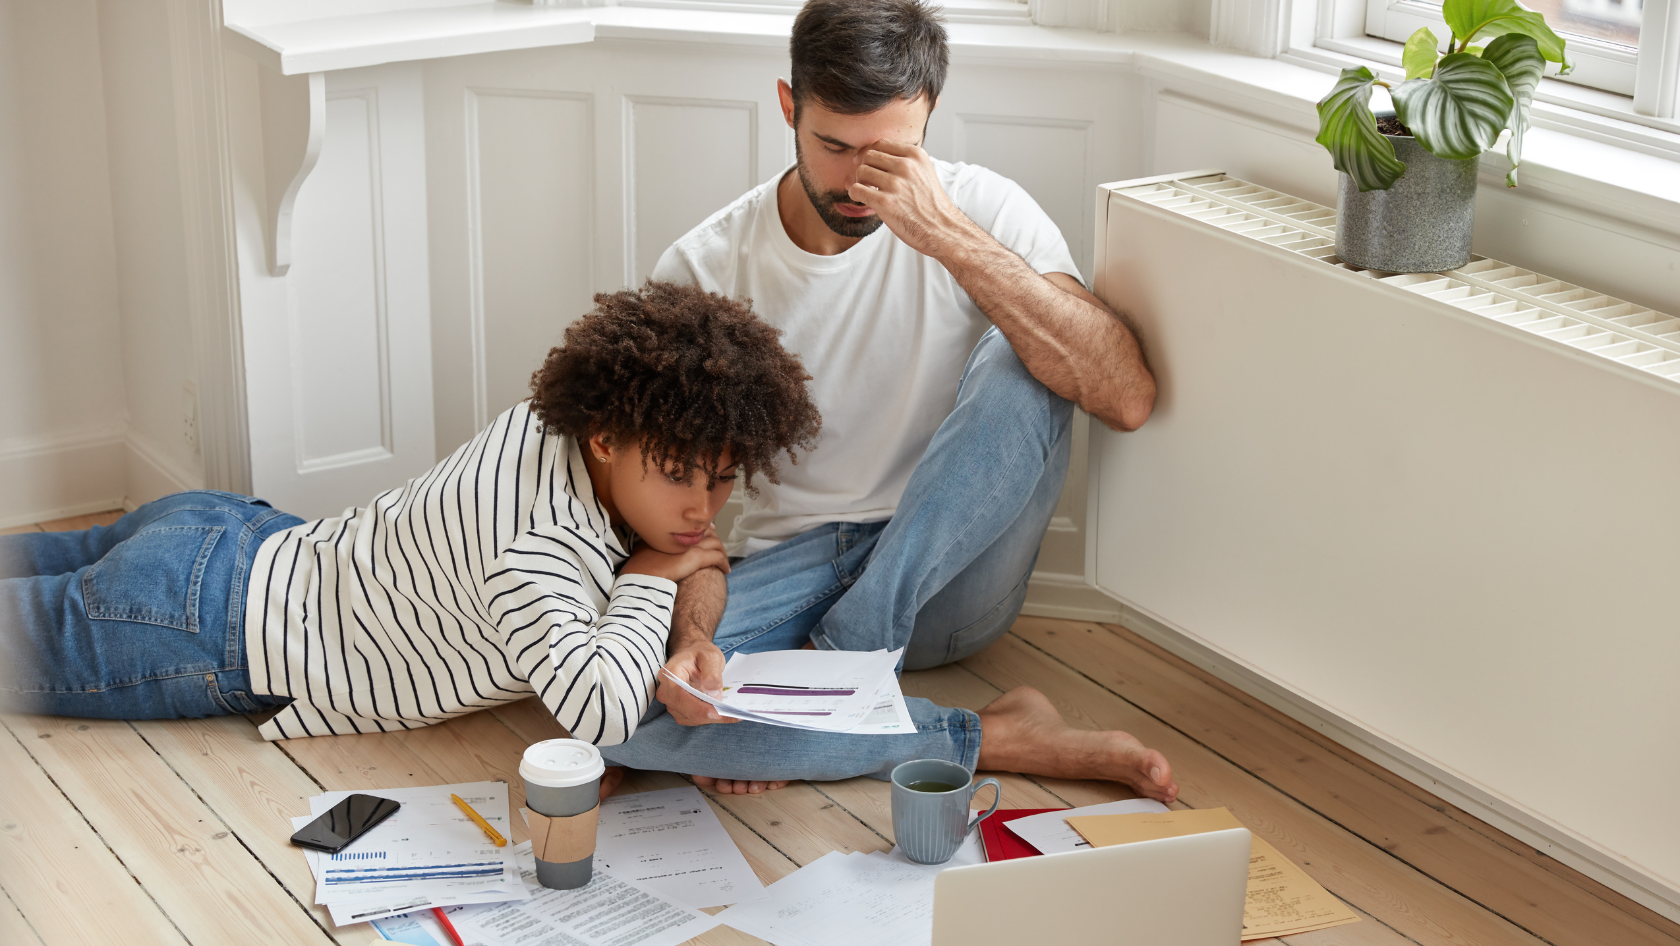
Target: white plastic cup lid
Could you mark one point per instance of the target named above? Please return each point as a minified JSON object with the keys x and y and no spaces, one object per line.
{"x":561,"y":763}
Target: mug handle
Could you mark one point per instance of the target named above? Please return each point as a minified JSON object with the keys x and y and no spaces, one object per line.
{"x":997,"y":796}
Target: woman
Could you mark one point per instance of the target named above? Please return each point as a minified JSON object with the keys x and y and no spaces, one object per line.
{"x":543,"y":555}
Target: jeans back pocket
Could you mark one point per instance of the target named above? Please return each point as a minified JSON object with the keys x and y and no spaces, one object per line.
{"x":153,"y":577}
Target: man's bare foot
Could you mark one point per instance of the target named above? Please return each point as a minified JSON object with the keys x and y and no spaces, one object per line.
{"x":1021,"y":731}
{"x":611,"y":779}
{"x":736,"y":786}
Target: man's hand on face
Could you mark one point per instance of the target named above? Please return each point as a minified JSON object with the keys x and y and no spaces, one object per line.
{"x":899,"y":183}
{"x":700,"y":665}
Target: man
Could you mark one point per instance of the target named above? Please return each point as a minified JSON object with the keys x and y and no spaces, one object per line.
{"x":949,"y":336}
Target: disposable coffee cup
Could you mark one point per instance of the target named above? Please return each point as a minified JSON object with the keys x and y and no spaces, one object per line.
{"x":563,"y":790}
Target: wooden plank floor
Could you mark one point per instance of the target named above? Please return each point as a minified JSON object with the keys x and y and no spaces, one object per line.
{"x":175,"y":832}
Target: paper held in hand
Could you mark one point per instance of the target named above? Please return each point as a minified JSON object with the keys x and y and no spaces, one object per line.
{"x":822,"y":690}
{"x":1282,"y":899}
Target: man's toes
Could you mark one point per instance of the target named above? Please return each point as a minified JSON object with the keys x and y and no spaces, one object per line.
{"x":1156,"y":766}
{"x":705,"y":781}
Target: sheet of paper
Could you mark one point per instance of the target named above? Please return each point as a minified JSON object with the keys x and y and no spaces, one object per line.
{"x":427,"y":854}
{"x":890,"y":716}
{"x":1050,"y":833}
{"x":413,"y":929}
{"x":844,"y":900}
{"x":362,"y":911}
{"x":610,"y":910}
{"x":1282,"y":899}
{"x":346,"y":912}
{"x":824,"y":690}
{"x":672,"y":843}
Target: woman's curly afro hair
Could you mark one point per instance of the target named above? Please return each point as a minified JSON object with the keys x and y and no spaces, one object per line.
{"x":684,"y":374}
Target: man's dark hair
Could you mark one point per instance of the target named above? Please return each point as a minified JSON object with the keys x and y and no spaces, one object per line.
{"x":684,"y":374}
{"x":854,"y":56}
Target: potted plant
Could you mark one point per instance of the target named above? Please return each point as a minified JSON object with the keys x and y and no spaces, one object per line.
{"x":1408,"y":177}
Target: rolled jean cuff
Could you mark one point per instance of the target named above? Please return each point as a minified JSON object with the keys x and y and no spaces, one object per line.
{"x":969,"y":742}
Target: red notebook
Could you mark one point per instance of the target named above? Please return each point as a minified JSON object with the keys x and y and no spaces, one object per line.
{"x":1002,"y":844}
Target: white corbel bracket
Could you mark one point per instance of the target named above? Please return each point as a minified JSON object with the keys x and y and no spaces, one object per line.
{"x":294,"y":122}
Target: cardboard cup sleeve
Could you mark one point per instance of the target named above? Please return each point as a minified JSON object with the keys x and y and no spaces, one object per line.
{"x":563,"y":840}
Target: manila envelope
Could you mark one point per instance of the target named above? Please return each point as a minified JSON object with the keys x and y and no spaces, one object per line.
{"x":1282,"y":899}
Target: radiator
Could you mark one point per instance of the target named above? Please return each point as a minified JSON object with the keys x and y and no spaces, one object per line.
{"x":1437,"y":516}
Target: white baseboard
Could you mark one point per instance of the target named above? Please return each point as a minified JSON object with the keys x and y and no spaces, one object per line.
{"x":1521,"y":823}
{"x":84,"y":471}
{"x":1059,"y":595}
{"x":151,"y":475}
{"x":69,"y":474}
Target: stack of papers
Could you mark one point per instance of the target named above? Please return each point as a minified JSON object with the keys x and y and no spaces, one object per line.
{"x":428,"y":854}
{"x":658,"y":857}
{"x":821,"y":690}
{"x":1051,"y":833}
{"x":851,"y":899}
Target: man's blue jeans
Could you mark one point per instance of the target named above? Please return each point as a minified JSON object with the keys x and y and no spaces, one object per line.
{"x":943,"y":578}
{"x":142,"y":619}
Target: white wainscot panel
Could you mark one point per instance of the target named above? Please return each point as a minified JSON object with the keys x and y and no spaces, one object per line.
{"x":1050,"y":157}
{"x":531,"y":193}
{"x":1191,"y":134}
{"x":687,"y":159}
{"x":340,"y":363}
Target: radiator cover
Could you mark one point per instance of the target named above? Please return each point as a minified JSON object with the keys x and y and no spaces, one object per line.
{"x":1440,"y":512}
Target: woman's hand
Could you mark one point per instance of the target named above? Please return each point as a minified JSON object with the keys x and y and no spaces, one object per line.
{"x":707,"y":553}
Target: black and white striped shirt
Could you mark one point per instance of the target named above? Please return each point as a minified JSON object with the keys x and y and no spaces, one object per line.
{"x":484,"y":580}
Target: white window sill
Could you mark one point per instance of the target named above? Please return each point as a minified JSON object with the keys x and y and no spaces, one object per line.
{"x":1576,"y":154}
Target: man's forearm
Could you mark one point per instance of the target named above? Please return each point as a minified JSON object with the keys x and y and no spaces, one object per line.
{"x":1075,"y":346}
{"x":698,"y":608}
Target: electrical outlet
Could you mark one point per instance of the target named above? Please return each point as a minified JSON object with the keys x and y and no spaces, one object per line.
{"x":189,"y":415}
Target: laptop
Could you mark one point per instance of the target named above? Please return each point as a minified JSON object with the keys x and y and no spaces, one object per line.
{"x":1185,"y":891}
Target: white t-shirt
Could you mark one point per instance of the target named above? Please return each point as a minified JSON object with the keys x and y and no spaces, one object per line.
{"x":883,"y":330}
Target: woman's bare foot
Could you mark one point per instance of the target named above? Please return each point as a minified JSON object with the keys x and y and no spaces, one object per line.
{"x":611,"y":779}
{"x":1021,"y":731}
{"x":736,"y":786}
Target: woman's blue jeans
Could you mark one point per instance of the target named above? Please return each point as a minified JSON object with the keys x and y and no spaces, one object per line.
{"x":142,"y":619}
{"x":945,"y":577}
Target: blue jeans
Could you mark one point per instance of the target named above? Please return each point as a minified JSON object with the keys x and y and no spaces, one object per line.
{"x":142,"y":619}
{"x":943,"y":578}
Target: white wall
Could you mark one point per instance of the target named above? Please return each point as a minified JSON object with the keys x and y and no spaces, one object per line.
{"x":61,"y":370}
{"x":157,"y":346}
{"x":96,"y":353}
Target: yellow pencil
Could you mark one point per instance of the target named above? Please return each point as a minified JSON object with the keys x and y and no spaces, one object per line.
{"x":479,"y":820}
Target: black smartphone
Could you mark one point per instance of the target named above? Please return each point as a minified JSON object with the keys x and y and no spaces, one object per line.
{"x":345,"y":822}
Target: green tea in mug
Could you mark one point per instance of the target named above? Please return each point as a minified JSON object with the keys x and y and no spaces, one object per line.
{"x":929,"y":785}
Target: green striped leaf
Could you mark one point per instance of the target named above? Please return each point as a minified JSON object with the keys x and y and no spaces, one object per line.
{"x":1480,"y":19}
{"x":1518,"y":59}
{"x":1348,"y":130}
{"x":1460,"y":112}
{"x":1421,"y":51}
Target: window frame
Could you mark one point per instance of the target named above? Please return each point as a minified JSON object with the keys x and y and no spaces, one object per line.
{"x":1335,"y":33}
{"x":1607,"y":67}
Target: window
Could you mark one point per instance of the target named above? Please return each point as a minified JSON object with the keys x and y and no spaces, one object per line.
{"x":1625,"y":47}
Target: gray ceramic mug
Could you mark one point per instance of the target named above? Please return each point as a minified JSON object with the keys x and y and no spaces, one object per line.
{"x":931,"y":825}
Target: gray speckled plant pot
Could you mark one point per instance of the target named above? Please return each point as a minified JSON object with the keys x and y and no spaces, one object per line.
{"x":1420,"y":225}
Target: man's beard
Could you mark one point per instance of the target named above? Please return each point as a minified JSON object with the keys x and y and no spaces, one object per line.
{"x":824,"y":203}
